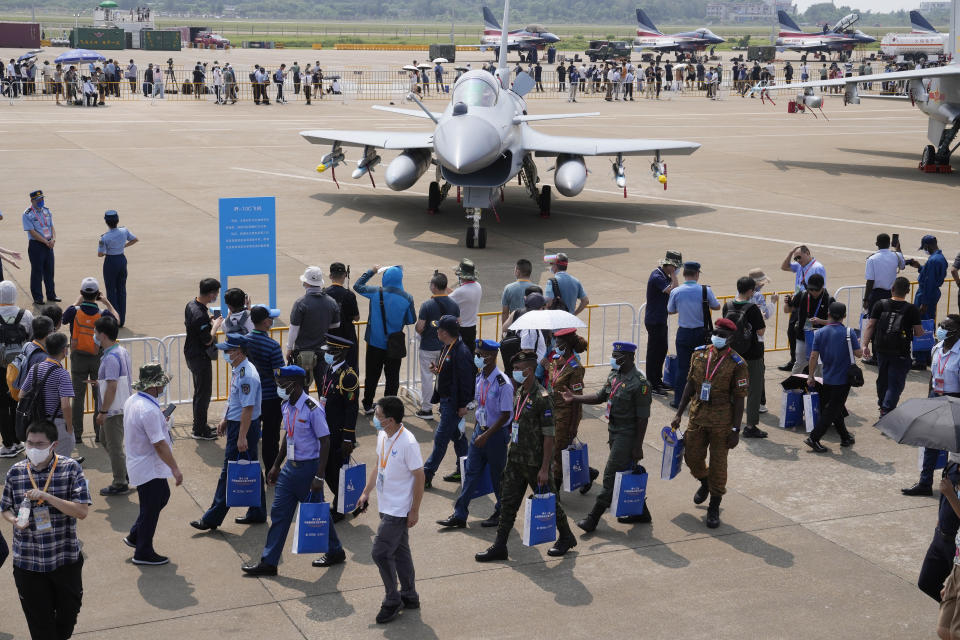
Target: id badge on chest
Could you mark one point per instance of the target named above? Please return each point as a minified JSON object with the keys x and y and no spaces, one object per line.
{"x":323,"y":401}
{"x":937,"y":384}
{"x":515,"y":432}
{"x":606,"y":412}
{"x":380,"y":480}
{"x":291,"y":450}
{"x":705,"y":392}
{"x":481,"y":417}
{"x":808,"y":325}
{"x":41,"y":518}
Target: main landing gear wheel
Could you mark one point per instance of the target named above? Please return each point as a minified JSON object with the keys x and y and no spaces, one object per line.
{"x":476,"y":238}
{"x":928,"y":157}
{"x":545,"y":202}
{"x":433,"y":198}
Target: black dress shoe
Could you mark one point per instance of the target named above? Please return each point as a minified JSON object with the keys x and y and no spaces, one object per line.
{"x":336,"y":516}
{"x":496,"y":552}
{"x":751,"y":431}
{"x":787,"y":367}
{"x":666,"y":387}
{"x":561,"y":547}
{"x":643,"y":518}
{"x":453,"y":522}
{"x":114,"y":490}
{"x":259,"y":569}
{"x":815,"y":445}
{"x":330,"y":559}
{"x":410,"y":603}
{"x":54,"y":299}
{"x":248,"y":520}
{"x":659,"y":391}
{"x":492,"y":521}
{"x":847,"y":442}
{"x":202,"y":526}
{"x":918,"y":490}
{"x":388,"y":614}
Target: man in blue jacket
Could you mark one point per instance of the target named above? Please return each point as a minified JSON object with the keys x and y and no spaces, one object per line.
{"x":929,"y":281}
{"x":455,"y":371}
{"x":391,"y":308}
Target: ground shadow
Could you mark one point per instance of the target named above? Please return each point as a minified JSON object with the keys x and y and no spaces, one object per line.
{"x":898,"y":155}
{"x":120,"y":511}
{"x":357,"y":539}
{"x":902,"y":172}
{"x":739,"y":540}
{"x":640,"y":539}
{"x":409,"y":625}
{"x":162,"y":587}
{"x":769,"y":450}
{"x":325,"y":600}
{"x":559,"y":580}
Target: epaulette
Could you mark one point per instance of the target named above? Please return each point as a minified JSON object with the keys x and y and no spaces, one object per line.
{"x":349,"y":380}
{"x":736,"y":357}
{"x":311,"y":403}
{"x":701,"y":347}
{"x":544,"y":393}
{"x":502,"y":379}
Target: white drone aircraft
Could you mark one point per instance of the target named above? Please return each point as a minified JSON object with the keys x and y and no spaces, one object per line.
{"x":482,"y":141}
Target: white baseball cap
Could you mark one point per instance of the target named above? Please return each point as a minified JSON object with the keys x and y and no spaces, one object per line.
{"x":89,"y":285}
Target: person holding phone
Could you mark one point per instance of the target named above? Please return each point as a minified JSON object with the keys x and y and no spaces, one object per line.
{"x":881,"y":270}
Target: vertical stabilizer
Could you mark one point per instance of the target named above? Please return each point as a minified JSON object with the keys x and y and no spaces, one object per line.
{"x":787,"y":23}
{"x":489,"y":22}
{"x":920,"y":24}
{"x":645,"y":25}
{"x":953,"y":43}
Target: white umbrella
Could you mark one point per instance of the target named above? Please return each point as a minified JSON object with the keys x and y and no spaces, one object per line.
{"x":409,"y":67}
{"x":551,"y":319}
{"x":424,"y":65}
{"x":440,"y":61}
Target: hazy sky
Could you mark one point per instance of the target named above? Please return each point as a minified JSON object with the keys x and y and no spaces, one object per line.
{"x":873,"y":5}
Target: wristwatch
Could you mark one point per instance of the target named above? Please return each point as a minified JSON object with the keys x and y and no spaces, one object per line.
{"x":318,"y":478}
{"x":103,"y":412}
{"x":736,"y":429}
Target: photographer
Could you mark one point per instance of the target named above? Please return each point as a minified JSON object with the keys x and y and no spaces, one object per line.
{"x":803,"y":265}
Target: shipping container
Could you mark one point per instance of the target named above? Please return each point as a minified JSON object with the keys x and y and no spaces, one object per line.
{"x":96,"y":39}
{"x":20,"y":35}
{"x":160,"y":40}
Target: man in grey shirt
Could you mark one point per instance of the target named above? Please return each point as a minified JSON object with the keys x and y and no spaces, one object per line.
{"x":312,"y":316}
{"x":515,"y":292}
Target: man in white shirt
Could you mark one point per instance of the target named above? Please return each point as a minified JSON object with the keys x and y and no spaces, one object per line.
{"x":150,"y":460}
{"x":881,"y":270}
{"x":467,"y":296}
{"x":398,"y":477}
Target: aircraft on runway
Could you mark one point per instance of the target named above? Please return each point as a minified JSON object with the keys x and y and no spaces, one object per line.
{"x":482,"y":141}
{"x":529,"y":39}
{"x":922,"y":43}
{"x":651,"y":38}
{"x":839,"y":39}
{"x":935,"y":91}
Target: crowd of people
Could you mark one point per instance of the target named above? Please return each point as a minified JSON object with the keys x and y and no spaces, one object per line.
{"x":294,"y":407}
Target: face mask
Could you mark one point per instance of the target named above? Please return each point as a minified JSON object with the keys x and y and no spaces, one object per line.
{"x":477,"y":360}
{"x":40,"y":203}
{"x":614,"y":364}
{"x":519,"y":377}
{"x":282,"y":393}
{"x":328,"y":358}
{"x":226,"y":357}
{"x":560,"y":351}
{"x":96,"y":339}
{"x":718,"y":342}
{"x":376,"y":424}
{"x":941,"y":334}
{"x":37,"y":456}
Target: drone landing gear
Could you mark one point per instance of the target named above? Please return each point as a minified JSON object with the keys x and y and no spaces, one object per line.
{"x":476,"y":235}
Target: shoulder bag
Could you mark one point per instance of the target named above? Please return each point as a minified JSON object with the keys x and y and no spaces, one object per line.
{"x":854,"y":372}
{"x":707,"y":318}
{"x":397,"y":341}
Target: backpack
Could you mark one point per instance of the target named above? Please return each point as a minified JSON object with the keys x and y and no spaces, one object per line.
{"x":278,"y":77}
{"x":13,"y":335}
{"x":32,"y":406}
{"x":81,"y":333}
{"x":743,"y":338}
{"x":18,"y":369}
{"x":890,"y":336}
{"x":236,"y":326}
{"x":557,"y":301}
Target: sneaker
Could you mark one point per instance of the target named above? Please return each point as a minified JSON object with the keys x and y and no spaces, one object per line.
{"x":453,"y":477}
{"x":115,"y":490}
{"x":9,"y":452}
{"x":155,"y":559}
{"x":388,"y":614}
{"x":425,"y":414}
{"x":127,"y":541}
{"x":205,"y":433}
{"x":763,"y":408}
{"x":368,"y":411}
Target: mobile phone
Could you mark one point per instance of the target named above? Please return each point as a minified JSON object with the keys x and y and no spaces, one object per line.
{"x":217,"y":313}
{"x":360,"y":508}
{"x":169,"y":410}
{"x":896,"y":240}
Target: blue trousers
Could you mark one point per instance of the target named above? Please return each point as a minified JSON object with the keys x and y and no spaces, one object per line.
{"x":218,"y":510}
{"x":41,"y":271}
{"x":929,"y":463}
{"x":115,"y":282}
{"x":293,"y":487}
{"x":687,"y":341}
{"x":891,"y":377}
{"x":446,"y":432}
{"x":494,"y":453}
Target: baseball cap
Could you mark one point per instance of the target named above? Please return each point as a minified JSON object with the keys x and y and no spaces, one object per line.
{"x":927,"y":239}
{"x":448,"y":323}
{"x":89,"y":285}
{"x":260,"y":312}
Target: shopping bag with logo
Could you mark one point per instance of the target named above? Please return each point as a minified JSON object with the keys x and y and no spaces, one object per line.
{"x":672,"y":453}
{"x":539,"y":519}
{"x":353,"y":478}
{"x":576,"y":468}
{"x":484,"y":487}
{"x":941,"y":460}
{"x":670,"y":371}
{"x":811,"y":410}
{"x":243,"y":483}
{"x":629,"y":492}
{"x":311,"y":529}
{"x":791,"y":409}
{"x":926,"y":342}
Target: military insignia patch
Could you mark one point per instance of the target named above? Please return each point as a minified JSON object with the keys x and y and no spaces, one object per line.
{"x":742,"y":382}
{"x":644,"y":388}
{"x":547,"y":413}
{"x":577,"y":386}
{"x":245,"y":388}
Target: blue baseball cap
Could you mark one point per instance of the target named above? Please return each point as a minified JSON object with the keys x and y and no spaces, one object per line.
{"x":488,"y":345}
{"x":691,"y":266}
{"x":927,"y":239}
{"x":233,"y":341}
{"x":625,"y":347}
{"x":111,"y":215}
{"x":291,"y":371}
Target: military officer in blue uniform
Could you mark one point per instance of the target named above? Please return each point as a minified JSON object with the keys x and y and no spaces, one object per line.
{"x":241,"y":424}
{"x":491,"y":435}
{"x":694,"y":326}
{"x":110,"y":248}
{"x":298,"y":471}
{"x":38,"y":223}
{"x":338,"y":387}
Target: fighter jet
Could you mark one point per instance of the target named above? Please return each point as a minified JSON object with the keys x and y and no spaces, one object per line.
{"x":838,"y":39}
{"x":482,"y":141}
{"x":935,"y":91}
{"x":528,"y":40}
{"x":651,"y":38}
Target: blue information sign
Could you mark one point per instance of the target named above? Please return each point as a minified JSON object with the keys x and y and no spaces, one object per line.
{"x":248,"y":241}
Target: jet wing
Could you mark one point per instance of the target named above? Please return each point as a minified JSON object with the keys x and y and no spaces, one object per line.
{"x":544,"y":145}
{"x":413,"y":113}
{"x":380,"y":139}
{"x":916,"y":74}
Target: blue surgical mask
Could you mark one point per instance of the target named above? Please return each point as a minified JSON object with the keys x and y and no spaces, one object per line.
{"x":940,"y":334}
{"x":96,"y":339}
{"x":328,"y":358}
{"x":614,"y":364}
{"x":718,"y":342}
{"x":560,"y":351}
{"x":477,"y":360}
{"x":519,"y":377}
{"x":226,"y":357}
{"x":40,"y":203}
{"x":282,"y":393}
{"x":376,"y":424}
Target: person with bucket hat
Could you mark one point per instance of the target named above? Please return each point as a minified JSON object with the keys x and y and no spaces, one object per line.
{"x":149,"y":448}
{"x":467,"y":297}
{"x":38,"y":223}
{"x":241,"y":424}
{"x":661,"y":282}
{"x":312,"y":317}
{"x":110,"y":248}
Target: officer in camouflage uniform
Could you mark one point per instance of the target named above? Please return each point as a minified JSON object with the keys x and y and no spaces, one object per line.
{"x":627,"y":394}
{"x":337,"y":387}
{"x":716,"y":390}
{"x":565,"y":373}
{"x":529,"y":459}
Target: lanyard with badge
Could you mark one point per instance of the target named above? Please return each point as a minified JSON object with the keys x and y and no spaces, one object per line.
{"x":383,"y":456}
{"x":515,"y":426}
{"x":290,"y":426}
{"x":41,"y":513}
{"x":613,"y":391}
{"x":939,"y":367}
{"x":554,"y":378}
{"x":481,"y":412}
{"x":808,"y":324}
{"x":707,"y":384}
{"x":41,"y":221}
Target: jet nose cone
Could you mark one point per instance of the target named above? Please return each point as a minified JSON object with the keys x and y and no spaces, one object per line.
{"x":466,"y":143}
{"x":718,"y":40}
{"x":549,"y":37}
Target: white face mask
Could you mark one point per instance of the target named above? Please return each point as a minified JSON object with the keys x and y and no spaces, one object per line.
{"x":38,"y":456}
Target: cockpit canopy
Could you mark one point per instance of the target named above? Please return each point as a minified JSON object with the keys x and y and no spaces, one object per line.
{"x":476,"y":90}
{"x":536,"y":28}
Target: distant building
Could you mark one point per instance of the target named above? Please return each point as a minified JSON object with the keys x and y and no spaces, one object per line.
{"x":935,"y":5}
{"x":736,"y":12}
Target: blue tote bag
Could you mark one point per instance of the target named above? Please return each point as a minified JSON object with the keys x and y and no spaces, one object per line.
{"x":243,"y":483}
{"x":539,"y":519}
{"x":311,"y":532}
{"x":629,"y":492}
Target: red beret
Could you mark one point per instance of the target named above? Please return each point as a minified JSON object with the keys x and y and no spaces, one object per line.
{"x":726,"y":323}
{"x":564,"y":332}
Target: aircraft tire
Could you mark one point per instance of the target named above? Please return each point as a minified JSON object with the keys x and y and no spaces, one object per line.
{"x":433,"y":197}
{"x":545,"y":202}
{"x":482,"y":238}
{"x":929,"y":156}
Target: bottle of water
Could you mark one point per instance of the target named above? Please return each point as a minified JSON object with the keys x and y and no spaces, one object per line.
{"x":23,"y":516}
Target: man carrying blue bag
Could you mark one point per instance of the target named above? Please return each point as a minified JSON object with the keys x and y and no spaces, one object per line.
{"x":494,"y":396}
{"x":241,"y":424}
{"x":298,"y":471}
{"x":627,"y":395}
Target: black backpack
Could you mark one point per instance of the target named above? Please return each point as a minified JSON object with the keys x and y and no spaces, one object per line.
{"x":32,"y":406}
{"x":557,"y":302}
{"x":743,"y":338}
{"x":890,"y":334}
{"x":13,"y":335}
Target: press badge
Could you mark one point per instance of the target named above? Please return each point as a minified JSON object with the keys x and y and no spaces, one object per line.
{"x":705,"y":392}
{"x":291,"y":450}
{"x":41,"y":518}
{"x":515,"y":432}
{"x":481,"y":418}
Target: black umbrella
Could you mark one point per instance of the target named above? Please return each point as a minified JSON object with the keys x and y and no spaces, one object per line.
{"x":925,"y":422}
